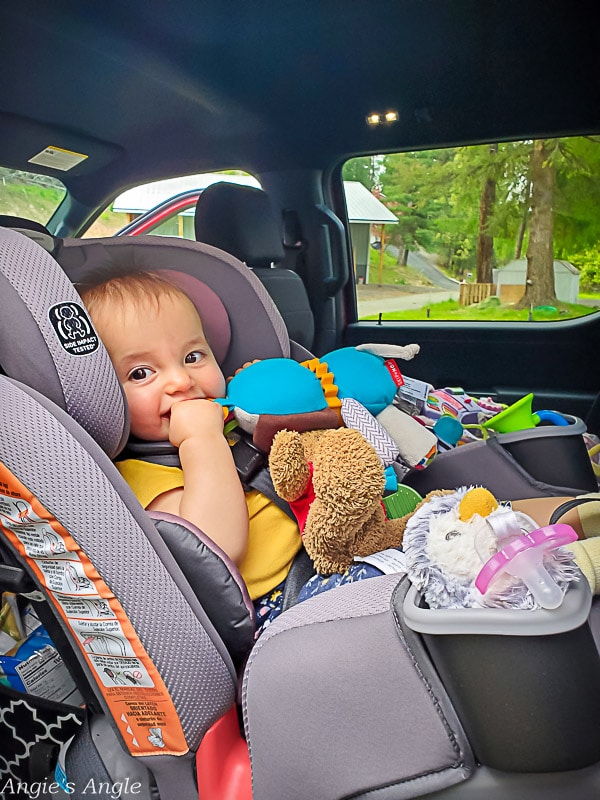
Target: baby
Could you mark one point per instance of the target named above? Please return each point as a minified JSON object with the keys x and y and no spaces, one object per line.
{"x":156,"y":342}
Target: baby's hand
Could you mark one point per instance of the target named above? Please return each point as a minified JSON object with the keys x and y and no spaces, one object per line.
{"x":194,"y":418}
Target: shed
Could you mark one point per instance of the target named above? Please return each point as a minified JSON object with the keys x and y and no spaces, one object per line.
{"x":510,"y":281}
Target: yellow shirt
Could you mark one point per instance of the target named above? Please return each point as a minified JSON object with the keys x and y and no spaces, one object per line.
{"x":273,"y":539}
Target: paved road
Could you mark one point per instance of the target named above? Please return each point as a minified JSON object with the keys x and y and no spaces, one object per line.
{"x":425,"y":266}
{"x":383,"y":299}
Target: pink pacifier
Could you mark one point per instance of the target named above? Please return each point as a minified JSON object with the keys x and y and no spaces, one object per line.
{"x":522,"y":558}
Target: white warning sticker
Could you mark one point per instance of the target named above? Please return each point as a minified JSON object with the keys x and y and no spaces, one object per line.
{"x":86,"y":607}
{"x":139,"y":701}
{"x":58,"y":158}
{"x":66,"y":576}
{"x":121,"y":671}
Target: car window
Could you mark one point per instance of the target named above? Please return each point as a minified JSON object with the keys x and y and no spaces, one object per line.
{"x":163,"y":208}
{"x":500,"y":231}
{"x":29,"y":194}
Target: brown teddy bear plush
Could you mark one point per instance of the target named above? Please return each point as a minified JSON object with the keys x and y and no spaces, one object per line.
{"x":334,"y":482}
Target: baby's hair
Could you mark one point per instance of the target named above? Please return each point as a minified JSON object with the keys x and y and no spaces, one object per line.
{"x":139,"y":287}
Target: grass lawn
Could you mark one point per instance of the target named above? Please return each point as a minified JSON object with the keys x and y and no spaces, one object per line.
{"x":590,"y":296}
{"x":30,"y":201}
{"x":392,"y":274}
{"x":488,"y":310}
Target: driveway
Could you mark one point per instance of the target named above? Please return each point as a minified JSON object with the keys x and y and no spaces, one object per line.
{"x":383,"y":299}
{"x":425,"y":264}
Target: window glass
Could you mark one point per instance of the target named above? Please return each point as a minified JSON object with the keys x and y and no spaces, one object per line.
{"x":163,"y":208}
{"x":504,"y":231}
{"x":29,"y":195}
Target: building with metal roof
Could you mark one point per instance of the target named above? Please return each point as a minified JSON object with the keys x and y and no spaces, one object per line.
{"x":364,"y":209}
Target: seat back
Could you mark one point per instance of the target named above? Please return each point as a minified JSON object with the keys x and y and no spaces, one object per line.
{"x":243,"y":221}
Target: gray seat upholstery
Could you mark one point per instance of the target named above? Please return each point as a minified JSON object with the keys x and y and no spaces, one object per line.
{"x":242,"y":221}
{"x":34,"y":230}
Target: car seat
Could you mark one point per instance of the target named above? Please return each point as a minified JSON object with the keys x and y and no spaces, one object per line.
{"x":242,"y":221}
{"x":59,"y":466}
{"x":340,"y":696}
{"x":35,"y":230}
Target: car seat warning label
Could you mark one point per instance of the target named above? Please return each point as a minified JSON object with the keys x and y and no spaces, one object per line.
{"x":124,"y":672}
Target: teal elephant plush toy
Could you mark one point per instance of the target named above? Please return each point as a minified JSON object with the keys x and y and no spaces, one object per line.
{"x":350,"y":387}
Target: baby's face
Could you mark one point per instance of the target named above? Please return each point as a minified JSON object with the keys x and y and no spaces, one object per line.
{"x":161,"y":356}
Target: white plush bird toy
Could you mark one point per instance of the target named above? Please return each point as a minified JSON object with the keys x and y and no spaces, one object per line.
{"x":448,"y":540}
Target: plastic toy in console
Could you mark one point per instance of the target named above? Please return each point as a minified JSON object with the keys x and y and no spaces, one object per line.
{"x":519,"y":416}
{"x":523,"y":558}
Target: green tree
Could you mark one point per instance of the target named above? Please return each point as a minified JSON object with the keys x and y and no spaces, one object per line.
{"x":364,"y":169}
{"x":565,"y":190}
{"x":408,"y":193}
{"x":539,"y":283}
{"x":480,"y":206}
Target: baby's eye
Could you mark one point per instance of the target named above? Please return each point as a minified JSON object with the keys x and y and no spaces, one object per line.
{"x":140,"y":374}
{"x":194,"y":357}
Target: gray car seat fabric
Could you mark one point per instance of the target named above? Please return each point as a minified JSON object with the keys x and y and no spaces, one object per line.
{"x":242,"y":221}
{"x":213,"y":579}
{"x":74,"y":479}
{"x":375,"y":722}
{"x":34,"y":230}
{"x":58,"y":352}
{"x":247,"y":303}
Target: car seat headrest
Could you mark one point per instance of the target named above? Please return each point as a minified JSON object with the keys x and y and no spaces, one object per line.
{"x":215,"y":321}
{"x":34,"y":230}
{"x":240,"y":220}
{"x":241,"y":321}
{"x":48,"y":343}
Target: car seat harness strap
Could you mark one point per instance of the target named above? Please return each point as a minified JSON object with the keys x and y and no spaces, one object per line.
{"x":250,"y":462}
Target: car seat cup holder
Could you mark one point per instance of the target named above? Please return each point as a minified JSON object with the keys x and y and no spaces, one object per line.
{"x":519,"y":416}
{"x":509,"y":674}
{"x":522,"y":557}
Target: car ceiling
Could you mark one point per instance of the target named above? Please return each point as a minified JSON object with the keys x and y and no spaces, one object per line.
{"x":151,"y":89}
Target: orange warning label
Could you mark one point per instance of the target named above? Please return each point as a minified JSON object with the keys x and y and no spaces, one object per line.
{"x":124,"y":672}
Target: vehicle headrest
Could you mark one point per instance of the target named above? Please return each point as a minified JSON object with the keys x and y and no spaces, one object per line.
{"x":240,"y":320}
{"x":34,"y":230}
{"x":242,"y":221}
{"x":48,"y":343}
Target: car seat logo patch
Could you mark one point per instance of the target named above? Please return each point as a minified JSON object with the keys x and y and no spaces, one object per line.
{"x":73,"y":328}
